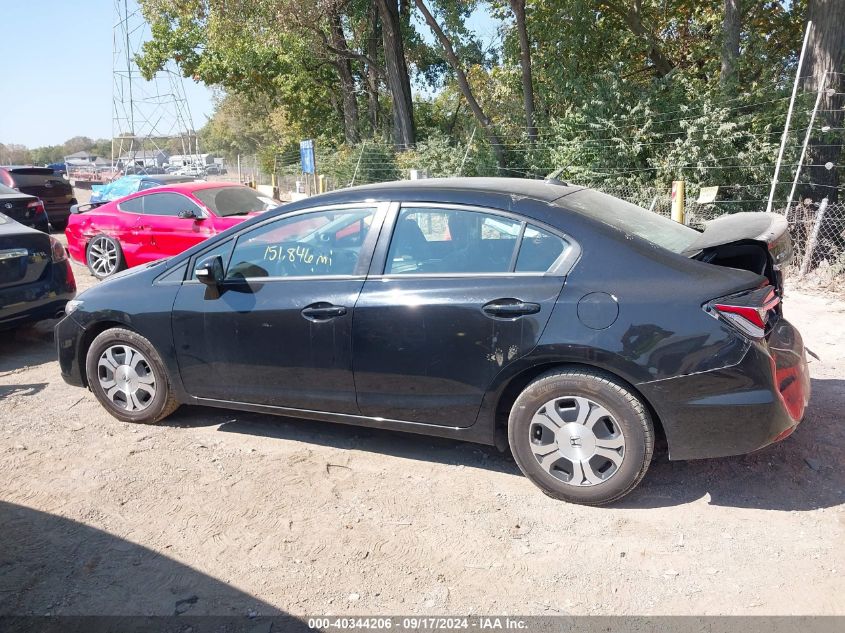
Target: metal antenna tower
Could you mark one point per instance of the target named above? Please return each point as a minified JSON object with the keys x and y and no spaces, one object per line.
{"x":147,"y":116}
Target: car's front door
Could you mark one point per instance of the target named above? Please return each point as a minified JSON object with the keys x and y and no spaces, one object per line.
{"x":278,"y":331}
{"x":463,"y":293}
{"x":161,"y":231}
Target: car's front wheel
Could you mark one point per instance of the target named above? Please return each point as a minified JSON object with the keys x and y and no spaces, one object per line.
{"x":104,"y":256}
{"x":581,"y":436}
{"x":128,"y":377}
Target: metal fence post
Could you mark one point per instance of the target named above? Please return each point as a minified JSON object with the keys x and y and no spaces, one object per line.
{"x":804,"y":148}
{"x":813,"y":239}
{"x":788,"y":116}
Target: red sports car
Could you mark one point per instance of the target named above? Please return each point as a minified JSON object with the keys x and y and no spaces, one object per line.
{"x":157,"y":223}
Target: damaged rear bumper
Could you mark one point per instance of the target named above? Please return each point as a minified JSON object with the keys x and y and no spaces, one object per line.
{"x":739,"y":409}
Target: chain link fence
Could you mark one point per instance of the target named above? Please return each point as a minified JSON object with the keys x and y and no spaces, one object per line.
{"x":818,"y":239}
{"x":817,"y":230}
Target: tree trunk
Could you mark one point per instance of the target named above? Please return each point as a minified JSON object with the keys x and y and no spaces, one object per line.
{"x":824,"y":63}
{"x":463,"y":84}
{"x":731,"y":29}
{"x":398,"y":81}
{"x":342,"y":63}
{"x":373,"y":114}
{"x":633,"y":17}
{"x":518,"y":8}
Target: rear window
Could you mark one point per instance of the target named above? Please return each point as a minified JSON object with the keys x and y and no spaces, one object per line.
{"x":632,"y":219}
{"x":32,"y":171}
{"x":4,"y":190}
{"x":35,"y":176}
{"x":226,"y":201}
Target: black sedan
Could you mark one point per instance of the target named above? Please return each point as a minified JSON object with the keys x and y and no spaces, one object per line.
{"x":36,"y":280}
{"x":564,"y":323}
{"x":23,"y":208}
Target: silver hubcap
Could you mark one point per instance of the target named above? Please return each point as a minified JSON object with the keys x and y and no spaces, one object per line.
{"x":126,"y":378}
{"x":577,"y":441}
{"x":102,"y":256}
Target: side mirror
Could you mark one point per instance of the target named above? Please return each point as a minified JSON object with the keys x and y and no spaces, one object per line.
{"x":187,"y":214}
{"x":210,"y":271}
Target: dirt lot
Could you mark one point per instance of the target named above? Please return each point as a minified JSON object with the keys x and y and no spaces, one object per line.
{"x":227,"y":513}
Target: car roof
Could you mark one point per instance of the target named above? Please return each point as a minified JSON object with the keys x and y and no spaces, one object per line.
{"x":544,"y":190}
{"x":190,"y":186}
{"x":12,"y":167}
{"x":165,"y":177}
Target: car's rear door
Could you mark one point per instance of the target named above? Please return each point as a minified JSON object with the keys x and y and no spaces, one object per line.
{"x":460,"y":292}
{"x":279,"y":331}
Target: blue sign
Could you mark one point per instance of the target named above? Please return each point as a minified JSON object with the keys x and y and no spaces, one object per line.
{"x":306,"y":156}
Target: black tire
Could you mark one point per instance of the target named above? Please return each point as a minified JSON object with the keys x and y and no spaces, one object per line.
{"x":96,"y":245}
{"x":156,"y":408}
{"x":628,"y":415}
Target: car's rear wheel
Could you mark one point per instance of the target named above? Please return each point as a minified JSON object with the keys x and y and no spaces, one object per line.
{"x":104,"y":256}
{"x":128,"y":377}
{"x":581,"y":436}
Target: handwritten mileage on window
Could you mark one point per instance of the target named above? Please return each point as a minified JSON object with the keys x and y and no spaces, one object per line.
{"x":296,"y":254}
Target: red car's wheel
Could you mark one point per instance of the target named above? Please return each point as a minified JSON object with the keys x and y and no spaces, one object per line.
{"x":104,"y":256}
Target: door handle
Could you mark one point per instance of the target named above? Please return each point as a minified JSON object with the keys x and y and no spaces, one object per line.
{"x":510,"y":308}
{"x":322,"y":311}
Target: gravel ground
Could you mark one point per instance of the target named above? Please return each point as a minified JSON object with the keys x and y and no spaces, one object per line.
{"x":218,"y":512}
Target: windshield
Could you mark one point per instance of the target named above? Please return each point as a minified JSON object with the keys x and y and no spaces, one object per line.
{"x":226,"y":201}
{"x":632,"y":219}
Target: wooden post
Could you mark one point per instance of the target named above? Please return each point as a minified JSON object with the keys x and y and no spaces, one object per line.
{"x":813,"y":239}
{"x":678,"y":201}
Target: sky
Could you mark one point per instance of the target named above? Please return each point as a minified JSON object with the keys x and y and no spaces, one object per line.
{"x":56,"y":70}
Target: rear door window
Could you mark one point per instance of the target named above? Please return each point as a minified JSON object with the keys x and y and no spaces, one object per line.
{"x":451,"y":241}
{"x":539,"y":250}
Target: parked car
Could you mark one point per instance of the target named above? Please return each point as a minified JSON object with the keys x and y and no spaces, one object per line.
{"x":157,"y":223}
{"x":570,"y":325}
{"x":197,"y":171}
{"x":23,"y":208}
{"x":54,"y":191}
{"x":36,"y":280}
{"x":126,"y":185}
{"x":215,"y":170}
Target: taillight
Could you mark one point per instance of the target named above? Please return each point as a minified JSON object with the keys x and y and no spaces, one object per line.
{"x":748,"y":311}
{"x":59,"y":254}
{"x":36,"y":206}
